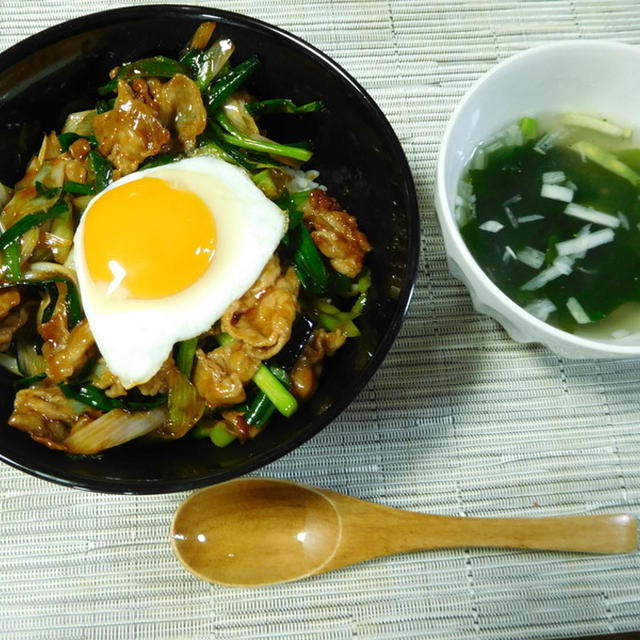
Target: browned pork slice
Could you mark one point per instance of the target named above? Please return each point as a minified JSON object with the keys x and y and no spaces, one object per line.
{"x":263,"y":316}
{"x":109,"y":382}
{"x":46,"y":415}
{"x":220,"y":375}
{"x":12,"y":317}
{"x":335,"y":233}
{"x":130,"y":132}
{"x":160,"y":382}
{"x":180,"y":108}
{"x":65,"y":352}
{"x":307,"y":369}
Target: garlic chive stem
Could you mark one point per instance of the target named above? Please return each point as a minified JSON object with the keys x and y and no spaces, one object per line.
{"x":285,"y":403}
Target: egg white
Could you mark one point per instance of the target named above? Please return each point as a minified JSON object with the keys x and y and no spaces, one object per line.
{"x":135,"y":336}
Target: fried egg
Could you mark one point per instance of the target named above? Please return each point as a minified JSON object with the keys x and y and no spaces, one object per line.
{"x":161,"y":253}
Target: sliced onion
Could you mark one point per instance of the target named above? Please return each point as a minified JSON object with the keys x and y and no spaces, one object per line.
{"x":5,"y":194}
{"x":556,"y":192}
{"x":465,"y":209}
{"x":508,"y":254}
{"x":54,"y":241}
{"x":577,"y":311}
{"x":112,"y":429}
{"x":305,"y":181}
{"x":506,"y":206}
{"x":564,"y":264}
{"x":532,"y":218}
{"x":492,"y":226}
{"x":553,"y":177}
{"x":513,"y":136}
{"x":624,"y":221}
{"x":582,"y":243}
{"x":80,"y":122}
{"x":531,"y":257}
{"x":43,"y":270}
{"x":592,"y":215}
{"x":512,"y":200}
{"x":479,"y":159}
{"x":185,"y":406}
{"x":549,"y":141}
{"x":558,"y":268}
{"x":30,"y":362}
{"x":10,"y":364}
{"x":620,"y":333}
{"x":584,"y":231}
{"x":541,"y":309}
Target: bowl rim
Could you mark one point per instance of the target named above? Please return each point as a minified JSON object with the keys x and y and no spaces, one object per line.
{"x":545,"y":334}
{"x":76,"y":26}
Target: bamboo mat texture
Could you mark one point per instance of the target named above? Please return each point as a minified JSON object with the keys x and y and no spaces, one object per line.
{"x":458,"y":420}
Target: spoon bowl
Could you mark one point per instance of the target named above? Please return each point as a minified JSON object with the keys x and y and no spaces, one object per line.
{"x":257,"y":531}
{"x":253,"y":532}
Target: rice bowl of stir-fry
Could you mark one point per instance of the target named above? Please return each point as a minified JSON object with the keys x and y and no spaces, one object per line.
{"x":194,"y":278}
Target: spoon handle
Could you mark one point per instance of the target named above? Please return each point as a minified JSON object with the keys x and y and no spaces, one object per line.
{"x":371,"y":530}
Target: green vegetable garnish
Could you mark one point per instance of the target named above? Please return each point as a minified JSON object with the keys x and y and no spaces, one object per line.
{"x":185,"y":356}
{"x":102,"y":170}
{"x":225,"y":85}
{"x":158,"y":66}
{"x":30,"y":221}
{"x":11,"y":257}
{"x":46,"y":192}
{"x":220,"y":436}
{"x":282,"y":105}
{"x":529,"y":127}
{"x":236,"y":138}
{"x":78,"y":188}
{"x":67,"y":139}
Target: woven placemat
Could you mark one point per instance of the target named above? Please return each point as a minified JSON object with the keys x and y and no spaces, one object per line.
{"x":458,"y":420}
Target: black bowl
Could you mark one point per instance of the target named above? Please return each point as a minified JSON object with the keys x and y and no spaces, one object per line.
{"x":359,"y":159}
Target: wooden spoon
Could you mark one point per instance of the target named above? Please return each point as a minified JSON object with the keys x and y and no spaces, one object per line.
{"x":257,"y":531}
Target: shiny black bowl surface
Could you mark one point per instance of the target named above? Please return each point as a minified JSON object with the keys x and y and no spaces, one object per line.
{"x":359,"y":158}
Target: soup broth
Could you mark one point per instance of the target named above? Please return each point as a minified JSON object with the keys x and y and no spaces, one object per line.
{"x":550,"y":210}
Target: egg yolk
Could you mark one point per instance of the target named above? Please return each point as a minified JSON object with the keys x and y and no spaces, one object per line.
{"x":148,"y":239}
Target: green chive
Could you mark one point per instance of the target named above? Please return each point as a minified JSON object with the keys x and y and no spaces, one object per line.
{"x":30,"y":221}
{"x":158,"y":66}
{"x":236,"y":138}
{"x":12,"y":261}
{"x":282,"y":105}
{"x":220,"y":436}
{"x":267,"y":382}
{"x":67,"y":139}
{"x":91,"y":396}
{"x":77,"y":187}
{"x":224,"y":339}
{"x":47,"y":192}
{"x":529,"y":127}
{"x":23,"y":383}
{"x":185,"y":356}
{"x":102,"y":169}
{"x":222,"y":88}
